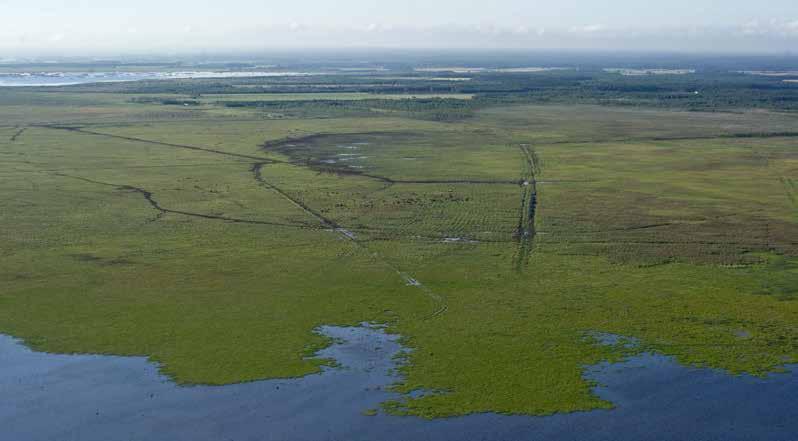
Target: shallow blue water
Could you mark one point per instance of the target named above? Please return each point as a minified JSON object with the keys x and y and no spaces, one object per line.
{"x":71,"y":78}
{"x":85,"y":397}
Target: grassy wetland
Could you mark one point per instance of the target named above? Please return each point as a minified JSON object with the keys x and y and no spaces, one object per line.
{"x":497,"y":232}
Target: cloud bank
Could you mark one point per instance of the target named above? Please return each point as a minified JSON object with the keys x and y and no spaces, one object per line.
{"x":769,"y":36}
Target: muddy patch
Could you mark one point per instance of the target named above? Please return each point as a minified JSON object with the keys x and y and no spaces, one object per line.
{"x":330,"y":153}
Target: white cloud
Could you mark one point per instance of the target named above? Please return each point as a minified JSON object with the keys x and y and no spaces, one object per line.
{"x":588,"y":29}
{"x":771,"y":35}
{"x":770,"y":28}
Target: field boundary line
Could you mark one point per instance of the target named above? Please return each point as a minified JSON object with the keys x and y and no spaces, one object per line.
{"x":16,"y":135}
{"x":165,"y":144}
{"x":150,"y":198}
{"x":525,"y":233}
{"x":257,"y":170}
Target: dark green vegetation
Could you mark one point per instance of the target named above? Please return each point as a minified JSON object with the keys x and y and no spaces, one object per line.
{"x":707,"y":89}
{"x":497,"y":238}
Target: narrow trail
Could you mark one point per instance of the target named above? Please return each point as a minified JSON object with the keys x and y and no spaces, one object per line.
{"x":257,"y":170}
{"x":750,"y":135}
{"x":791,"y":189}
{"x":525,"y":231}
{"x":262,"y":160}
{"x":16,"y":135}
{"x":641,"y":227}
{"x":664,"y":242}
{"x":164,"y":144}
{"x":277,"y":145}
{"x":454,"y":181}
{"x":322,"y":168}
{"x":148,"y":196}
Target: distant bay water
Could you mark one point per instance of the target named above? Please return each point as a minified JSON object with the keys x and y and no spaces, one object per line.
{"x":39,"y":79}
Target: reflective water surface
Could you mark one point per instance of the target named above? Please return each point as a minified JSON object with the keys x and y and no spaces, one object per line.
{"x":87,"y":397}
{"x":20,"y":79}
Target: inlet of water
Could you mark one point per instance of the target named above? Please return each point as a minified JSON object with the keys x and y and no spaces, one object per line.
{"x":88,"y":397}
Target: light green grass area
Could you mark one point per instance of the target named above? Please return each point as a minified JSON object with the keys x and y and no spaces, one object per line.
{"x":327,"y":96}
{"x":29,"y":107}
{"x":595,"y":123}
{"x":701,"y":200}
{"x":495,"y":246}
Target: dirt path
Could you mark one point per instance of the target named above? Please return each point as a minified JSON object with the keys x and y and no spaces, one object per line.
{"x":454,"y":181}
{"x":751,"y":135}
{"x":278,"y":146}
{"x":525,"y":231}
{"x":257,"y":170}
{"x":16,"y":135}
{"x":164,"y":144}
{"x":148,"y":196}
{"x":442,"y":306}
{"x":322,"y":168}
{"x":791,"y":189}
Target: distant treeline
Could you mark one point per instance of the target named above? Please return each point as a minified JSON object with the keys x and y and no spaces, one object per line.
{"x":707,"y":91}
{"x":165,"y":101}
{"x":434,"y":109}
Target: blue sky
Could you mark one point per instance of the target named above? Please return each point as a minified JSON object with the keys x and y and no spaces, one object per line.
{"x":181,"y":25}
